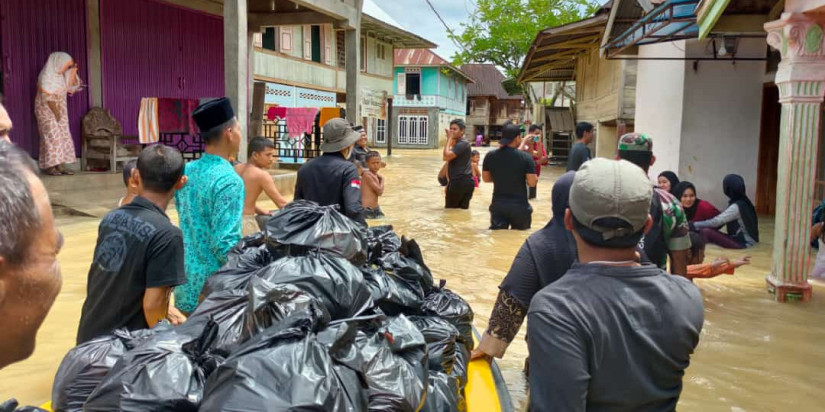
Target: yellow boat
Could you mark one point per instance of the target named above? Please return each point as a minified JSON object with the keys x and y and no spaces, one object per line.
{"x":486,"y":390}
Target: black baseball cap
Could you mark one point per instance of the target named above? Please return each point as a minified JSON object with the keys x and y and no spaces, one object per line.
{"x":509,"y":133}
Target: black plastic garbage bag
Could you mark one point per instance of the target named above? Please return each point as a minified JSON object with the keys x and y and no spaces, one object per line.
{"x":165,"y":373}
{"x":382,"y":240}
{"x":393,"y":295}
{"x":442,"y":394}
{"x":409,"y":271}
{"x":453,"y":308}
{"x":331,"y":279}
{"x":462,"y":359}
{"x":284,"y":368}
{"x":441,"y":341}
{"x":11,"y":405}
{"x":241,"y":266}
{"x":391,"y":354}
{"x":241,"y":314}
{"x":410,"y":249}
{"x":227,"y":308}
{"x":269,"y":303}
{"x":305,"y":223}
{"x":85,"y":366}
{"x":253,"y":252}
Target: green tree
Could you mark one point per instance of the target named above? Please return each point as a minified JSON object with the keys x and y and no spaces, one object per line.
{"x":501,"y":31}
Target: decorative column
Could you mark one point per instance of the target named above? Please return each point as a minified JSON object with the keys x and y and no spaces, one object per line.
{"x":801,"y":82}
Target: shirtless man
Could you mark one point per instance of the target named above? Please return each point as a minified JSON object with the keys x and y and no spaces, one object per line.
{"x":372,"y":187}
{"x":256,"y":179}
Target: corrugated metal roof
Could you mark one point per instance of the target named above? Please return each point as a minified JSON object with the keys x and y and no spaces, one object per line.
{"x":487,"y":80}
{"x":418,"y":57}
{"x":425,"y":57}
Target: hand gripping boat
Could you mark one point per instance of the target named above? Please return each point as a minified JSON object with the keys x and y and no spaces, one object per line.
{"x":486,"y":390}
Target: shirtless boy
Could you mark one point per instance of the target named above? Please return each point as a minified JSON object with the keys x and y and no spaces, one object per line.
{"x":256,"y":179}
{"x":372,"y":187}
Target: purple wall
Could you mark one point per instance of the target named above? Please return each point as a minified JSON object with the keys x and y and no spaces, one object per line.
{"x":30,"y":30}
{"x":153,"y":49}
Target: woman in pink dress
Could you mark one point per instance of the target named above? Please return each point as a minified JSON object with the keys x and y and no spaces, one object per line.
{"x":57,"y":80}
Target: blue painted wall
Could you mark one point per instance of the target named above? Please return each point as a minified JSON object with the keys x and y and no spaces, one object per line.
{"x":451,"y":88}
{"x":429,"y":80}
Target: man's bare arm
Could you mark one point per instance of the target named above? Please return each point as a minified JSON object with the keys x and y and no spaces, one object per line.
{"x":487,"y":177}
{"x":448,"y":148}
{"x":532,"y":179}
{"x":156,"y":304}
{"x":271,"y":190}
{"x":380,"y":180}
{"x":372,"y":182}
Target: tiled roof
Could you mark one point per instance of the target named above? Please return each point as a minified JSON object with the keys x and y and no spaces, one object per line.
{"x":487,"y":81}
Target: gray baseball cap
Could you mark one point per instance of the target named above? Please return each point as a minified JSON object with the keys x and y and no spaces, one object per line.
{"x":338,"y":135}
{"x":611,"y":198}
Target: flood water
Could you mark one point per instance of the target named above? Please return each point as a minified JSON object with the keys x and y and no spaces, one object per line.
{"x":754,"y":354}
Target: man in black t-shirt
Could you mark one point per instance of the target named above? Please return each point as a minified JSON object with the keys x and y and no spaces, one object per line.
{"x":579,"y":153}
{"x":511,"y":171}
{"x":139,"y":254}
{"x":611,"y":334}
{"x":458,"y":154}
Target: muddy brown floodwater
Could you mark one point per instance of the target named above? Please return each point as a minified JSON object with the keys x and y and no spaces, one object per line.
{"x":754,"y":354}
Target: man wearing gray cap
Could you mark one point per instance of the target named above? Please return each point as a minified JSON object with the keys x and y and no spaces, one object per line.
{"x":331,"y":179}
{"x":611,"y":333}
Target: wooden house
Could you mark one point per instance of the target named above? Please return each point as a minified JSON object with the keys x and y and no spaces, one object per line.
{"x":489,"y":105}
{"x":605,"y":89}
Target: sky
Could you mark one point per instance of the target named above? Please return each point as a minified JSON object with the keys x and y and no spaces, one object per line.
{"x":415,"y":16}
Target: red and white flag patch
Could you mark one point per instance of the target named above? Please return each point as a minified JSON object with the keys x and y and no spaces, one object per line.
{"x":356,"y":184}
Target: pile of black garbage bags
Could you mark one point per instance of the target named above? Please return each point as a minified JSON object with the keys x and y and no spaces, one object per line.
{"x":315,"y":313}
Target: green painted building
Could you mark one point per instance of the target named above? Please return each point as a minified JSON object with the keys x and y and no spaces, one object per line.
{"x":428,"y":93}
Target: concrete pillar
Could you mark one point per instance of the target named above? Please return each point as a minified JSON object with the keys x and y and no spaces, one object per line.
{"x":352,"y":38}
{"x":801,"y":82}
{"x":353,"y":66}
{"x":237,"y":53}
{"x":95,"y":69}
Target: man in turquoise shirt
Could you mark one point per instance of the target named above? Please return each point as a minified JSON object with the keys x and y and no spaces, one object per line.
{"x":210,"y":207}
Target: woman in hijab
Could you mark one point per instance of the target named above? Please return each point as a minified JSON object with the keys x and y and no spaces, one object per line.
{"x":668,"y":181}
{"x":696,"y":209}
{"x":57,"y":80}
{"x":740,"y":218}
{"x":543,"y":258}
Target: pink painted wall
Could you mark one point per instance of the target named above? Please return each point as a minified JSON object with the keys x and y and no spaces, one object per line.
{"x":30,"y":30}
{"x":154,"y":49}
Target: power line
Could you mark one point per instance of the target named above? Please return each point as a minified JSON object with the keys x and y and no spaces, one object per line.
{"x":449,"y":30}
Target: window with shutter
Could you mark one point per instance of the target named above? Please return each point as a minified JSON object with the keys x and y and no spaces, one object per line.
{"x":402,"y":84}
{"x":308,"y":42}
{"x":327,"y":44}
{"x":286,"y":38}
{"x":363,"y":54}
{"x":340,"y":49}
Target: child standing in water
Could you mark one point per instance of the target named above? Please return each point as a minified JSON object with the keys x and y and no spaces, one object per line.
{"x":474,"y":159}
{"x":372,"y":186}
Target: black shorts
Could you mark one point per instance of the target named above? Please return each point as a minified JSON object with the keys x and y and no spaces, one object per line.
{"x":506,"y":215}
{"x":376,"y":213}
{"x":459,"y":193}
